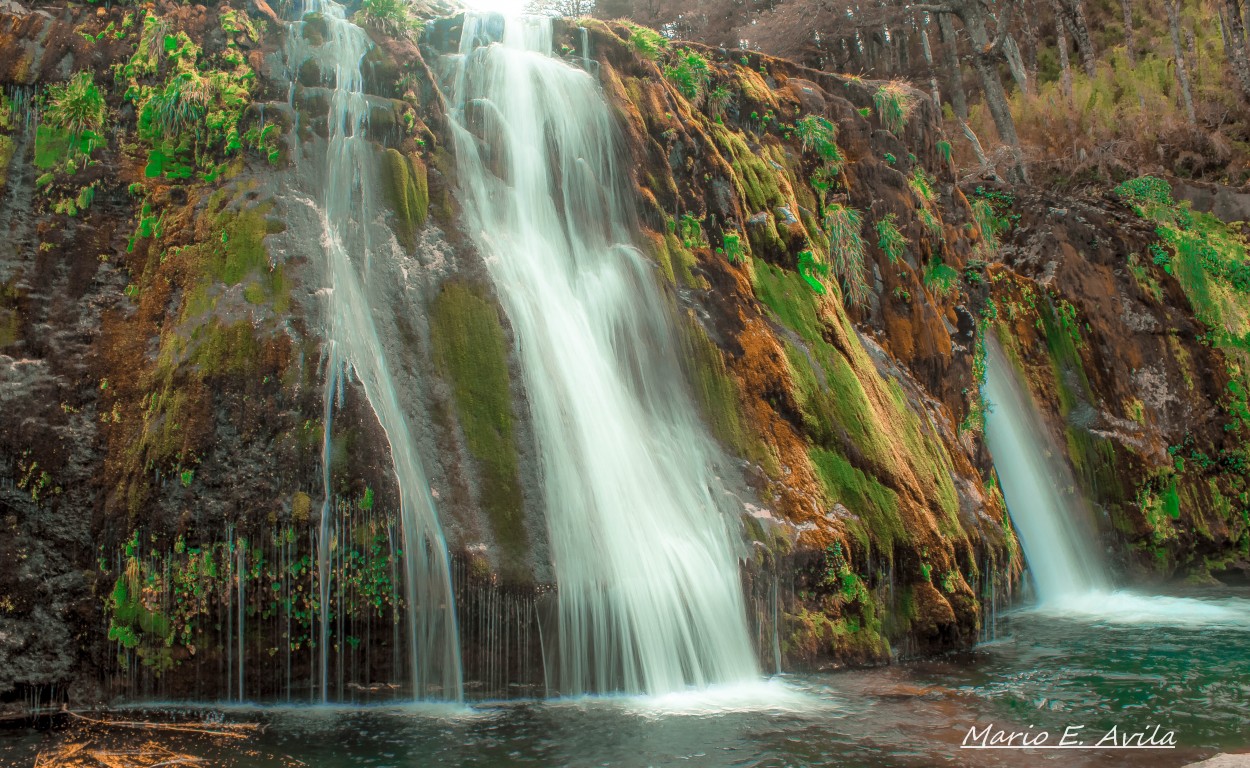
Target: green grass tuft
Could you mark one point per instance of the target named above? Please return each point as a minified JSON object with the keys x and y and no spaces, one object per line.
{"x":889,"y":239}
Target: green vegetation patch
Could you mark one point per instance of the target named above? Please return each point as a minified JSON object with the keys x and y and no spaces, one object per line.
{"x":719,"y":397}
{"x":471,"y":350}
{"x":875,"y":504}
{"x":895,"y":103}
{"x":408,"y":193}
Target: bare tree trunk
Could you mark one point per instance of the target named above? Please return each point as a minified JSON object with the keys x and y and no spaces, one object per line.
{"x":1130,"y":43}
{"x":1030,"y":44}
{"x":1228,"y":43}
{"x":1236,"y":36}
{"x":928,"y":60}
{"x":974,"y":15}
{"x":1074,"y":11}
{"x":1016,"y":63}
{"x":978,"y":150}
{"x":959,"y":96}
{"x":1061,"y":42}
{"x":1182,"y":72}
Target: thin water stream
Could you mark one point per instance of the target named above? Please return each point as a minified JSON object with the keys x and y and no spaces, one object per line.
{"x":355,"y":348}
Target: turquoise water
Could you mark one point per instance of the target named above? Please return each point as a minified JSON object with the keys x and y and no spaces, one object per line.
{"x":1043,"y":671}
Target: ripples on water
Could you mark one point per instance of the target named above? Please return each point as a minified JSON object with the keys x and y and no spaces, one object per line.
{"x":1129,"y":660}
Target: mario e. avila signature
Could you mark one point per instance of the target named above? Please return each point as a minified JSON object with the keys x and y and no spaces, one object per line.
{"x":989,"y":737}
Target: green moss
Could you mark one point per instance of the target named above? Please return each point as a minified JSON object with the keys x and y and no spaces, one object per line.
{"x":242,"y":247}
{"x":9,"y":327}
{"x":51,"y":146}
{"x":230,"y":349}
{"x":681,"y":261}
{"x":470,"y":349}
{"x":832,"y":390}
{"x":408,"y":194}
{"x":6,"y":156}
{"x":719,"y":397}
{"x":788,"y":296}
{"x":864,"y":496}
{"x":757,"y":181}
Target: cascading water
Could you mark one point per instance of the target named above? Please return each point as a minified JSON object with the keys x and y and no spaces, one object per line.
{"x":1069,"y":575}
{"x":649,"y":592}
{"x":353,"y":346}
{"x":1058,"y":552}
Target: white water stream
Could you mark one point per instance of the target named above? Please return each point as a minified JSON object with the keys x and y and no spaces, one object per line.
{"x":643,"y":542}
{"x":354,"y":348}
{"x":1069,"y":574}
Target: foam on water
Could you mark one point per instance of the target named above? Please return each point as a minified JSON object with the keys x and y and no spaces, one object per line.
{"x":1129,"y":608}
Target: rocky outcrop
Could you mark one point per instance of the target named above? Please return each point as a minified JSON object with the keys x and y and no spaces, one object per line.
{"x":161,"y":365}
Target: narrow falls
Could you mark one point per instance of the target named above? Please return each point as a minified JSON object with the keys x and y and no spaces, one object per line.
{"x":1036,"y":486}
{"x":354,"y":348}
{"x":1056,"y":531}
{"x":641,"y":532}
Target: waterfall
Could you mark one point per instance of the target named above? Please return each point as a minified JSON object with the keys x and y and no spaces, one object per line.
{"x":353,"y":347}
{"x":642,"y":537}
{"x":1056,"y":544}
{"x":1069,"y":575}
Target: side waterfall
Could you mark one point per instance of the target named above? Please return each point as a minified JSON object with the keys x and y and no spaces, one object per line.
{"x":353,"y":346}
{"x":1058,"y":551}
{"x":642,"y":538}
{"x":1071,"y":579}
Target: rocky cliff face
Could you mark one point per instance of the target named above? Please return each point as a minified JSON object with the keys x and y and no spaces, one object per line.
{"x":160,"y":357}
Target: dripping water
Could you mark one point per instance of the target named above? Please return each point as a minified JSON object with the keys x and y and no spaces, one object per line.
{"x":354,"y":346}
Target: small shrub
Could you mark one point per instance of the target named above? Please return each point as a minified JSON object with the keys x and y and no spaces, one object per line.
{"x":690,"y":231}
{"x":819,"y":134}
{"x":922,"y":186}
{"x":941,"y":279}
{"x":394,"y":16}
{"x":720,"y":98}
{"x":691,"y":74}
{"x":989,"y":222}
{"x":733,"y":247}
{"x":647,"y":42}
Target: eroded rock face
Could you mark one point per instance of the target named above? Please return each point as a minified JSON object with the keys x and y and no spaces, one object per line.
{"x":161,"y":367}
{"x":1143,"y":394}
